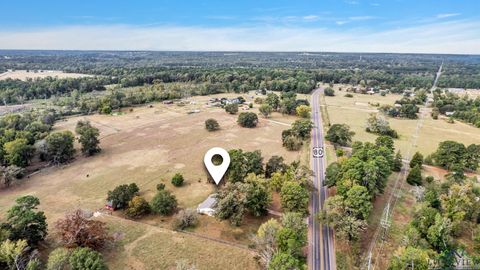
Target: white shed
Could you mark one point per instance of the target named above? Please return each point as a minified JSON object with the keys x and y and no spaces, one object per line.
{"x":206,"y":207}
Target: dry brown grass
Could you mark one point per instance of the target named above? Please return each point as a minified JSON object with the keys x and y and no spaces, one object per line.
{"x":24,"y":75}
{"x":147,"y":146}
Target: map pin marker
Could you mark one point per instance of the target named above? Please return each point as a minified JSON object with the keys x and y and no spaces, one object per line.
{"x":216,"y":171}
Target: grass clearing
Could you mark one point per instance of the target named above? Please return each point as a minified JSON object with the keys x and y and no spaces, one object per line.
{"x":148,"y":145}
{"x":355,"y":112}
{"x":41,"y":74}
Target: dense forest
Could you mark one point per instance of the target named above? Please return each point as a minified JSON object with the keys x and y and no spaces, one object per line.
{"x":230,"y":72}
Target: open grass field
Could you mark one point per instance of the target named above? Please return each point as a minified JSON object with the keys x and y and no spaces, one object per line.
{"x":355,"y":111}
{"x":148,"y":145}
{"x":24,"y":75}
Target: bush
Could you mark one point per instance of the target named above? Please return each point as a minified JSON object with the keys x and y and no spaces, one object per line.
{"x":86,"y":259}
{"x":185,"y":218}
{"x":265,"y":110}
{"x":160,"y":186}
{"x":348,"y":95}
{"x":177,"y":180}
{"x":137,"y":207}
{"x":231,"y":108}
{"x":212,"y":124}
{"x":303,"y":111}
{"x":340,"y":152}
{"x":58,"y":259}
{"x":292,"y":143}
{"x":340,"y":134}
{"x":429,"y":179}
{"x":247,"y":119}
{"x":163,"y":203}
{"x":329,"y":92}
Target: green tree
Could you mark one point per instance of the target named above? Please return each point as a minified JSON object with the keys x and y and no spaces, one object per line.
{"x":59,"y":147}
{"x":439,"y":234}
{"x":121,"y":195}
{"x":303,"y":111}
{"x":24,"y":222}
{"x":177,"y":180}
{"x":86,"y":259}
{"x":285,"y":261}
{"x":265,"y":110}
{"x":289,"y":241}
{"x":247,"y":119}
{"x":230,"y":202}
{"x":358,"y":200}
{"x":163,"y":203}
{"x":231,"y":108}
{"x":449,"y":154}
{"x":16,"y":255}
{"x":294,"y":198}
{"x":414,"y":177}
{"x":385,"y":141}
{"x":331,"y":174}
{"x":302,"y":128}
{"x":18,"y":152}
{"x":406,"y":258}
{"x":337,"y":215}
{"x":258,"y":198}
{"x":397,"y":162}
{"x":212,"y":124}
{"x":89,"y":140}
{"x":273,"y":100}
{"x":292,"y":142}
{"x":275,"y":164}
{"x":340,"y":134}
{"x":243,"y":163}
{"x":417,"y":160}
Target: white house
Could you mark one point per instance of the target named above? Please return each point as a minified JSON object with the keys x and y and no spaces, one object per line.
{"x":206,"y":207}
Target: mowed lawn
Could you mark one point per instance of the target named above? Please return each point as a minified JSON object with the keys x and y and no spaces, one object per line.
{"x":355,"y":112}
{"x":148,"y":145}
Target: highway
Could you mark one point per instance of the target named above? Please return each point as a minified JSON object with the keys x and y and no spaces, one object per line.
{"x":321,"y":254}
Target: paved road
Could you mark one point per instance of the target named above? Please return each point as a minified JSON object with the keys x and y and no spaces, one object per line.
{"x":321,"y":249}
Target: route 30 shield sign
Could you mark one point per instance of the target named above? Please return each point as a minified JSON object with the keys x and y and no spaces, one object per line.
{"x":318,"y":152}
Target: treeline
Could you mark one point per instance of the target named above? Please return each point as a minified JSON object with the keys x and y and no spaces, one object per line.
{"x":18,"y":91}
{"x":462,"y":107}
{"x":358,"y":179}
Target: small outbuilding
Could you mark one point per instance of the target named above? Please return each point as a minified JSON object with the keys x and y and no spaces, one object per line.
{"x":206,"y":207}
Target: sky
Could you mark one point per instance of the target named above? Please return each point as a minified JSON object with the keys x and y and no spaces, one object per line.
{"x":404,"y":26}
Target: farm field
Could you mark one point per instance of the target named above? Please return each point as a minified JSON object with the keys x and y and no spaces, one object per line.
{"x":24,"y":75}
{"x":355,"y":111}
{"x":148,"y":145}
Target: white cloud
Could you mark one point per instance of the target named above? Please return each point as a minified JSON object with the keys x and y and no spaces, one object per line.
{"x":447,"y":15}
{"x":460,"y":36}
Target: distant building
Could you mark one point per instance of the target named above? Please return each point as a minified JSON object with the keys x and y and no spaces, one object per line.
{"x":206,"y":207}
{"x":449,"y":113}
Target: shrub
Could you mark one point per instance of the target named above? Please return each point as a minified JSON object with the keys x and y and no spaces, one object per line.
{"x":265,"y":110}
{"x":429,"y":179}
{"x":160,"y":186}
{"x":292,"y":143}
{"x":329,"y":92}
{"x":58,"y":259}
{"x":417,"y":160}
{"x":247,"y":119}
{"x":185,"y":218}
{"x":303,"y":111}
{"x":231,"y":108}
{"x":177,"y":180}
{"x":340,"y":134}
{"x":163,"y":203}
{"x":212,"y":124}
{"x":137,"y":207}
{"x":340,"y":152}
{"x":348,"y":95}
{"x":85,"y":258}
